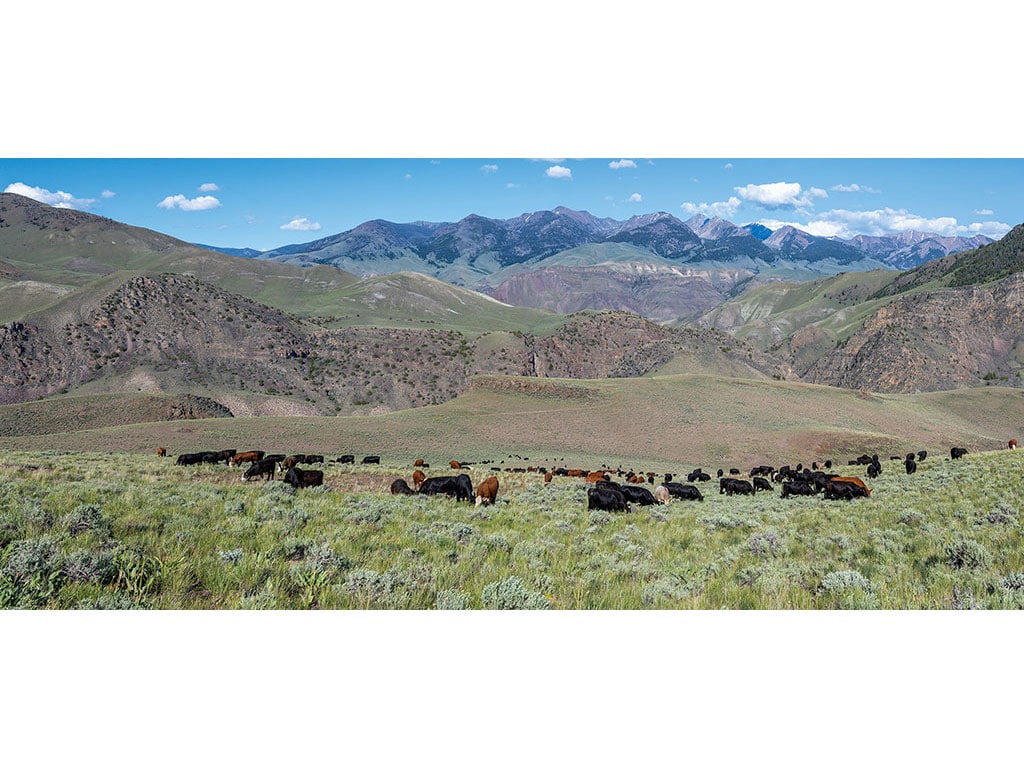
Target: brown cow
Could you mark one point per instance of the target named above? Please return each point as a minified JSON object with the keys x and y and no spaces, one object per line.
{"x":417,"y":479}
{"x":291,"y":461}
{"x":454,"y":464}
{"x":418,"y":463}
{"x":855,"y":481}
{"x":575,"y":473}
{"x":595,"y":477}
{"x":251,"y":456}
{"x":547,"y":477}
{"x":1013,"y":445}
{"x":487,"y":491}
{"x":163,"y":451}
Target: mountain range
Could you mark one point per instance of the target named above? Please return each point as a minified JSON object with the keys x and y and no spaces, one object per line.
{"x":563,"y":260}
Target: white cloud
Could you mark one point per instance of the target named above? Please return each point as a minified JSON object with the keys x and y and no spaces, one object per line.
{"x":723,"y":210}
{"x":182,"y":203}
{"x":435,"y":162}
{"x":994,"y":229}
{"x":853,"y":188}
{"x":209,"y":187}
{"x":780,"y":194}
{"x":559,"y":172}
{"x":302,"y":224}
{"x":727,"y":166}
{"x":983,"y":212}
{"x":636,"y":197}
{"x":408,"y":176}
{"x":107,"y":193}
{"x":616,"y":164}
{"x":512,"y":185}
{"x":490,"y":168}
{"x":58,"y":199}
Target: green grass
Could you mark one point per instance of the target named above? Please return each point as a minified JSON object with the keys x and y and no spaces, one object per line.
{"x":122,"y":530}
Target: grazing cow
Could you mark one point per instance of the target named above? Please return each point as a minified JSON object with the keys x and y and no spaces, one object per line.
{"x":548,"y":477}
{"x":225,"y":456}
{"x":662,"y":495}
{"x":348,"y":458}
{"x":313,"y":458}
{"x":922,"y":455}
{"x":734,"y":470}
{"x":843,"y":490}
{"x":668,"y":477}
{"x":720,"y":473}
{"x":487,"y":491}
{"x":874,"y":470}
{"x":460,"y":487}
{"x":417,"y":478}
{"x":763,"y":470}
{"x":264,"y":468}
{"x":575,"y":473}
{"x":853,"y":481}
{"x":371,"y":460}
{"x":593,"y":477}
{"x":650,"y":478}
{"x":797,"y":488}
{"x":400,"y":486}
{"x":731,"y":485}
{"x":760,"y":484}
{"x":608,"y":499}
{"x":454,"y":464}
{"x":910,"y":465}
{"x":278,"y":457}
{"x":189,"y":458}
{"x":163,"y":451}
{"x":418,"y":463}
{"x":249,"y":456}
{"x":680,"y":491}
{"x":303,"y":478}
{"x":1012,"y":445}
{"x":957,"y":453}
{"x":637,"y":494}
{"x":291,"y":461}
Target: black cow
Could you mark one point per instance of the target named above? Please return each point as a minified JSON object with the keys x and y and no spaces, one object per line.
{"x":226,"y":456}
{"x":607,"y":499}
{"x":731,"y":485}
{"x":313,"y":458}
{"x":698,"y":475}
{"x":874,"y":470}
{"x":303,"y":478}
{"x":957,"y":453}
{"x":637,"y":494}
{"x":188,"y":458}
{"x":840,"y":490}
{"x":400,"y":486}
{"x":797,"y":488}
{"x":763,"y":470}
{"x":460,"y":487}
{"x":911,"y":466}
{"x":680,"y":491}
{"x":371,"y":460}
{"x":274,"y":457}
{"x":264,"y":468}
{"x":348,"y":458}
{"x":922,"y":455}
{"x":760,"y":484}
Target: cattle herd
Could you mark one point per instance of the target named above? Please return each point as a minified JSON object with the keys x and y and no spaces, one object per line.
{"x":603,"y":493}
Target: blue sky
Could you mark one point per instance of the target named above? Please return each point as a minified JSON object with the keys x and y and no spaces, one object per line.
{"x":266,"y":203}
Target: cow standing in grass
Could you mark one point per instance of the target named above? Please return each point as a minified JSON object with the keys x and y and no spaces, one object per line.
{"x":487,"y":491}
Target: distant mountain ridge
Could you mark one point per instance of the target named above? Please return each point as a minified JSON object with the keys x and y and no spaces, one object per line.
{"x":471,"y":249}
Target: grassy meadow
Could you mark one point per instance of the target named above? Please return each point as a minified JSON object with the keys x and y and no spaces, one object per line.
{"x":87,"y":530}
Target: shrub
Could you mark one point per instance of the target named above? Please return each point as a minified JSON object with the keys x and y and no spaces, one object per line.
{"x":599,"y":517}
{"x":33,"y":557}
{"x":109,"y":601}
{"x":1015,"y":581}
{"x":840,"y":581}
{"x":965,"y":553}
{"x":765,"y":544}
{"x":512,"y":594}
{"x":452,"y":600}
{"x":230,"y":556}
{"x":84,"y":517}
{"x":84,"y":566}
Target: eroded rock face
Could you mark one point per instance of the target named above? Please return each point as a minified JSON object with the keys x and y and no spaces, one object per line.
{"x":938,"y":340}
